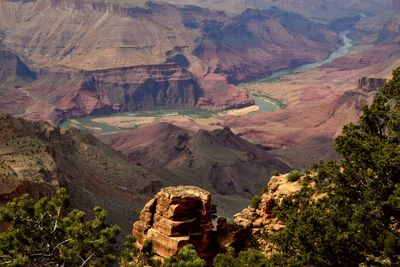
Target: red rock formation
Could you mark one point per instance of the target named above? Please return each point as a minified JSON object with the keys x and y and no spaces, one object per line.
{"x":67,"y":93}
{"x":177,"y":216}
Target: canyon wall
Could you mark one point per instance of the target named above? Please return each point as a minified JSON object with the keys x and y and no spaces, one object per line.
{"x":370,"y":84}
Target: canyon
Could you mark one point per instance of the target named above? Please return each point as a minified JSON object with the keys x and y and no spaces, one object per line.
{"x":189,"y":49}
{"x":174,"y":95}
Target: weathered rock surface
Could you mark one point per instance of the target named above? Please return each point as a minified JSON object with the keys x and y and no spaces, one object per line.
{"x":370,"y":84}
{"x":261,"y":221}
{"x":257,"y":42}
{"x":177,"y":216}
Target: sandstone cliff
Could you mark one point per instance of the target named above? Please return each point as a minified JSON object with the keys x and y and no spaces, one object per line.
{"x":182,"y":215}
{"x":261,"y":221}
{"x":174,"y":218}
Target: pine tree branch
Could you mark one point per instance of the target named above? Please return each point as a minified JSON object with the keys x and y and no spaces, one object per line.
{"x":88,"y":259}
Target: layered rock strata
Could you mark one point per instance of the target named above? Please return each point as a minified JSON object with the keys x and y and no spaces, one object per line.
{"x":64,"y":93}
{"x":370,"y":84}
{"x":177,"y":216}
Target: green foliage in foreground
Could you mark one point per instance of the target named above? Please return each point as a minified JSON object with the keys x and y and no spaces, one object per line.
{"x":248,"y":258}
{"x":186,"y":257}
{"x":45,"y":233}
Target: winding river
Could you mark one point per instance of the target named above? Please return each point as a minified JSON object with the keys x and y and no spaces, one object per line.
{"x":267,"y":103}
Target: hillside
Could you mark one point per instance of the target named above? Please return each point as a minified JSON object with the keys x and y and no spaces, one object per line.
{"x":230,"y":167}
{"x":36,"y":158}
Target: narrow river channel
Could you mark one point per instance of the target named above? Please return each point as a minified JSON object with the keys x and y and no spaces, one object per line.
{"x":267,"y":103}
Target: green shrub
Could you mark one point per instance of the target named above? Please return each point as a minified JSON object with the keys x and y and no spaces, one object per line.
{"x":275,"y":173}
{"x":186,"y":257}
{"x":294,"y":176}
{"x":255,"y":201}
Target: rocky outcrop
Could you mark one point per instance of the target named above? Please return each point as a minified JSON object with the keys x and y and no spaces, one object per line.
{"x":370,"y":84}
{"x":177,"y":216}
{"x":261,"y":220}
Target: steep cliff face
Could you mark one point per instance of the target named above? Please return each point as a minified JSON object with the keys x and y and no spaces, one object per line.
{"x":261,"y":220}
{"x":163,"y":86}
{"x":64,"y":93}
{"x":177,"y":216}
{"x":36,"y":158}
{"x":370,"y":84}
{"x":181,"y":215}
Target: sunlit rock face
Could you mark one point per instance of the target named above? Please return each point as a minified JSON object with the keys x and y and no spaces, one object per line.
{"x":177,"y":216}
{"x":261,"y":220}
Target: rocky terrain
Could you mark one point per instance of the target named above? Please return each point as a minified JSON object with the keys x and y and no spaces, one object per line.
{"x":231,"y":168}
{"x":181,"y":215}
{"x":259,"y":42}
{"x":261,"y":221}
{"x":36,"y":158}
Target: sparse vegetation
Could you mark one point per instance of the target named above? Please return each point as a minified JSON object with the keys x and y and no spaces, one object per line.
{"x":294,"y":176}
{"x":255,"y":201}
{"x":186,"y":257}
